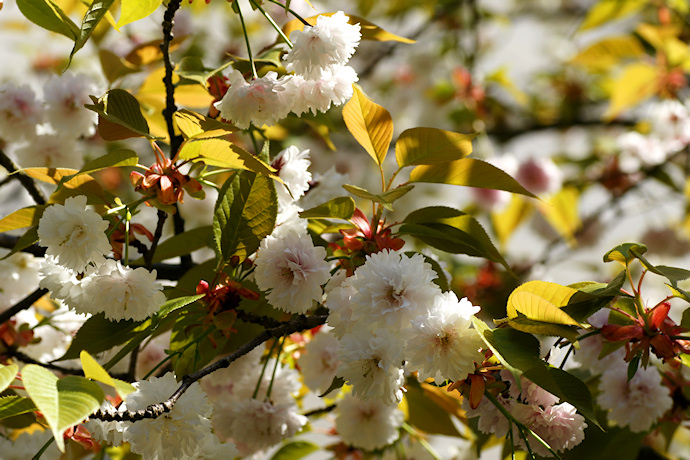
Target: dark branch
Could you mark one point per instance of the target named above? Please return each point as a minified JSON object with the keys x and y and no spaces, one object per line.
{"x":27,"y":182}
{"x":23,"y":304}
{"x":296,"y":324}
{"x":170,"y":107}
{"x":148,"y":257}
{"x":265,"y":321}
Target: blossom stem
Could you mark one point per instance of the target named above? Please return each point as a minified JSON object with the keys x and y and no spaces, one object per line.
{"x":246,"y":40}
{"x":275,"y":368}
{"x":424,"y":443}
{"x":273,"y":23}
{"x":292,"y":12}
{"x":263,"y":371}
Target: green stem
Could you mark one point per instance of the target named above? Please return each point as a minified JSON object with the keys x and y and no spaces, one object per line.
{"x":246,"y":39}
{"x":275,"y":368}
{"x":263,"y":371}
{"x":425,"y":444}
{"x":273,"y":23}
{"x":292,"y":12}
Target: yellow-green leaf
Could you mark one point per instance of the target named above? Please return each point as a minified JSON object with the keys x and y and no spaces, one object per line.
{"x":63,"y":402}
{"x":21,"y":218}
{"x":506,"y":221}
{"x":370,"y":124}
{"x":370,"y":31}
{"x":611,"y":10}
{"x":94,"y":371}
{"x":47,"y":14}
{"x":92,"y":17}
{"x":521,"y":323}
{"x":385,"y":198}
{"x":431,"y":146}
{"x":7,"y":375}
{"x":195,"y":125}
{"x":637,"y":82}
{"x":223,"y":153}
{"x":468,"y":172}
{"x":133,"y":10}
{"x":119,"y":116}
{"x":608,"y":52}
{"x":625,"y":253}
{"x":342,"y":207}
{"x":541,"y":301}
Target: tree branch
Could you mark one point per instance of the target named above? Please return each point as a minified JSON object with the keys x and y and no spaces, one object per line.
{"x":23,"y":304}
{"x":170,"y":107}
{"x":296,"y":324}
{"x":27,"y":182}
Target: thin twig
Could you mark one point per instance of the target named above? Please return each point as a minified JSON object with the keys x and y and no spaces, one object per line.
{"x":170,"y":107}
{"x":148,"y":257}
{"x":26,"y":181}
{"x":23,"y":304}
{"x":296,"y":324}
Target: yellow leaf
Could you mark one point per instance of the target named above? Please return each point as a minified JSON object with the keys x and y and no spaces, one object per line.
{"x":223,"y":153}
{"x":637,"y":82}
{"x":429,"y":146}
{"x":541,"y":301}
{"x":370,"y":31}
{"x":21,"y":218}
{"x":608,"y":52}
{"x":133,"y":10}
{"x":501,"y":77}
{"x":370,"y":124}
{"x":94,"y":371}
{"x":196,"y":125}
{"x":561,"y":211}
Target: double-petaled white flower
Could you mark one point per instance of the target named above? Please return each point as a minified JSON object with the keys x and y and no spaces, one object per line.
{"x":331,"y":42}
{"x":176,"y":434}
{"x":263,"y":101}
{"x":65,"y":97}
{"x":292,"y":166}
{"x":293,"y":270}
{"x":20,"y":112}
{"x":319,"y":361}
{"x":73,"y":234}
{"x":443,"y":345}
{"x":559,"y":426}
{"x":367,"y":424}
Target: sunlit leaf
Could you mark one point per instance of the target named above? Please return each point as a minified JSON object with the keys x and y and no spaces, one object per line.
{"x":193,"y":124}
{"x":541,"y":301}
{"x":295,"y":450}
{"x":13,"y":405}
{"x":386,"y":198}
{"x":150,"y":52}
{"x":92,"y":17}
{"x":119,"y":116}
{"x":610,"y":10}
{"x":133,"y":10}
{"x":223,"y":153}
{"x":507,"y":220}
{"x":561,"y":211}
{"x":469,"y":172}
{"x":342,"y":207}
{"x":637,"y":82}
{"x":370,"y":124}
{"x":47,"y":14}
{"x":63,"y":402}
{"x":625,"y":253}
{"x":608,"y":52}
{"x":524,"y":324}
{"x":7,"y":375}
{"x":431,"y":146}
{"x":94,"y":371}
{"x":115,"y":159}
{"x":175,"y":304}
{"x":21,"y":218}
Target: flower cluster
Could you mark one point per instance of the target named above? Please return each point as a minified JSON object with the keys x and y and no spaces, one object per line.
{"x":76,"y":271}
{"x":321,"y":77}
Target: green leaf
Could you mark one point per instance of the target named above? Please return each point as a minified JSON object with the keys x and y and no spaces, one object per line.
{"x":625,"y":253}
{"x":63,"y":402}
{"x":524,"y":324}
{"x":336,"y":384}
{"x":92,"y":17}
{"x":566,"y":386}
{"x":223,"y":153}
{"x":385,"y":198}
{"x":175,"y":304}
{"x":425,"y":414}
{"x":370,"y":124}
{"x":119,"y":116}
{"x":342,"y":207}
{"x":133,"y":10}
{"x":13,"y":405}
{"x":183,"y":243}
{"x":245,"y":213}
{"x":98,"y":334}
{"x":22,"y":218}
{"x":94,"y":371}
{"x":468,"y":172}
{"x":451,"y":231}
{"x":7,"y":375}
{"x":541,"y":301}
{"x":193,"y":124}
{"x":610,"y":10}
{"x":431,"y":146}
{"x":24,"y":241}
{"x":48,"y":15}
{"x":295,"y":450}
{"x":116,"y":159}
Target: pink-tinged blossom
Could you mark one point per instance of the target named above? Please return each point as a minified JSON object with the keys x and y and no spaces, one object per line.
{"x":176,"y":434}
{"x":539,"y":176}
{"x":391,"y":289}
{"x":65,"y":97}
{"x":73,"y":235}
{"x":292,"y":166}
{"x":443,"y":345}
{"x":528,"y":391}
{"x":332,"y":41}
{"x":50,"y":151}
{"x":491,"y":420}
{"x":263,"y":101}
{"x":332,"y":87}
{"x":671,"y":124}
{"x":319,"y":361}
{"x":638,"y":403}
{"x":367,"y":424}
{"x":372,"y":365}
{"x":20,"y":112}
{"x":638,"y":150}
{"x":293,"y":270}
{"x":123,"y":293}
{"x":559,"y":426}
